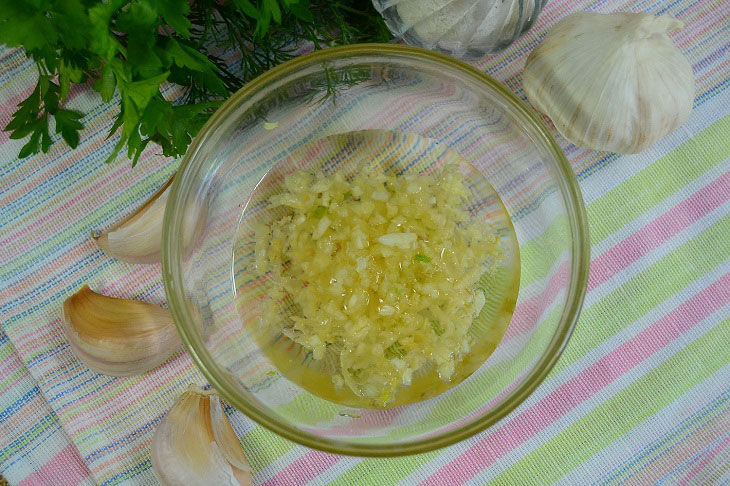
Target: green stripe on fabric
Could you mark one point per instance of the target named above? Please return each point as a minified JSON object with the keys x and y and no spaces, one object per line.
{"x":608,"y":422}
{"x":383,"y":471}
{"x":641,"y":192}
{"x":668,"y":443}
{"x":81,"y":226}
{"x":260,"y":457}
{"x":45,"y":349}
{"x":658,"y":282}
{"x":720,"y":466}
{"x":5,"y":383}
{"x":539,"y":255}
{"x":112,"y":388}
{"x":6,"y":350}
{"x":666,"y":176}
{"x":318,"y":409}
{"x":395,"y":470}
{"x":47,"y":422}
{"x":91,"y":435}
{"x":646,"y":290}
{"x":133,"y":467}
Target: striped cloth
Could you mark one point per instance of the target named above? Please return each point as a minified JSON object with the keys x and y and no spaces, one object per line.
{"x":641,"y":394}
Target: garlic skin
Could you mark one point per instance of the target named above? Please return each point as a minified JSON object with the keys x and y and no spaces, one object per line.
{"x":118,"y":337}
{"x":195,"y":444}
{"x":138,"y":237}
{"x":612,"y":82}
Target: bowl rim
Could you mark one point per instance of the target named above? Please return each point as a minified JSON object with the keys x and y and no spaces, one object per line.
{"x":580,"y":262}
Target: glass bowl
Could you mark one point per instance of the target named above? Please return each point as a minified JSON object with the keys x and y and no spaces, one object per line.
{"x":323,"y":96}
{"x":467,"y":29}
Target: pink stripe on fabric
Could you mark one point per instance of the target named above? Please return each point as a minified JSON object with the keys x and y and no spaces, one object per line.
{"x":527,"y":312}
{"x":128,"y":397}
{"x":490,"y":404}
{"x":304,"y":469}
{"x":617,"y":258}
{"x":583,"y":386}
{"x":66,"y":467}
{"x":54,"y":216}
{"x":661,"y":229}
{"x":11,"y":106}
{"x":627,"y":251}
{"x":368,"y":418}
{"x":141,"y":276}
{"x":91,"y":141}
{"x":705,"y":461}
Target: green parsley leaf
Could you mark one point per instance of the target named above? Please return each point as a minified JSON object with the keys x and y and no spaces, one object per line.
{"x":104,"y":43}
{"x":319,"y":212}
{"x":68,"y":126}
{"x":187,"y":57}
{"x":174,"y":13}
{"x":247,"y":7}
{"x":273,"y":7}
{"x":355,"y":372}
{"x":395,"y":350}
{"x":141,"y":92}
{"x":67,"y":74}
{"x":106,"y":83}
{"x":436,"y":326}
{"x":31,"y":147}
{"x":135,"y":45}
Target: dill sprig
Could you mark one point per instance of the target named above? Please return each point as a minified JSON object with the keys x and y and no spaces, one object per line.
{"x":132,"y":47}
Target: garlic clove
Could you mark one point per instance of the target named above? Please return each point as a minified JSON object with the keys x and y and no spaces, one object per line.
{"x":612,"y":82}
{"x":118,"y":337}
{"x":195,"y":444}
{"x":225,"y":437}
{"x":138,"y":237}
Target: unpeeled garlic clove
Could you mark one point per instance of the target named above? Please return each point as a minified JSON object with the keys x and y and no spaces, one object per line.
{"x":138,"y":237}
{"x":612,"y":82}
{"x":118,"y":337}
{"x":195,"y":444}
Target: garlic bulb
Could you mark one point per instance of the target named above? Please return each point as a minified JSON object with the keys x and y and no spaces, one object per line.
{"x":118,"y":337}
{"x":462,"y":28}
{"x":138,"y":238}
{"x":195,"y":444}
{"x":611,"y":82}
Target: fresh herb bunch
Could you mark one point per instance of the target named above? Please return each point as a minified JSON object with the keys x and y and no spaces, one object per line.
{"x":133,"y":46}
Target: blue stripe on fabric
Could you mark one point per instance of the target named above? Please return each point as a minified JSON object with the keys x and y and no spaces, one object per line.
{"x":128,"y":473}
{"x":681,"y":427}
{"x":17,"y":404}
{"x":692,"y":459}
{"x":36,"y":442}
{"x":122,"y":440}
{"x":99,"y":263}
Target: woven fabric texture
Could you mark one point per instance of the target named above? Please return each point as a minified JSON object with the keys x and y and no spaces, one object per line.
{"x":641,"y":394}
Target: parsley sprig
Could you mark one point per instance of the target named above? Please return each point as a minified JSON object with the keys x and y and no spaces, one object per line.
{"x":135,"y":47}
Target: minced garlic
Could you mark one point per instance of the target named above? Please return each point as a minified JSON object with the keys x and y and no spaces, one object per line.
{"x":378,"y":269}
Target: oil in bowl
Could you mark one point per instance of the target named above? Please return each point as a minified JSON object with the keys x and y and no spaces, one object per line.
{"x":375,"y":268}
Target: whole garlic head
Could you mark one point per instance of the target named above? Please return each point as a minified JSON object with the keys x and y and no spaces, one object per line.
{"x":612,"y":82}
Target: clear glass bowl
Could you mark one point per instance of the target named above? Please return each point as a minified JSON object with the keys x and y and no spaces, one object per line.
{"x":467,"y":29}
{"x":336,"y":91}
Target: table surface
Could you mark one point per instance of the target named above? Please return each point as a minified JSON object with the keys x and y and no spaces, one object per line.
{"x":641,"y":394}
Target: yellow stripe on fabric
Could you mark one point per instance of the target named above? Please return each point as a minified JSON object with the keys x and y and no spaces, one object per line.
{"x":640,"y":294}
{"x":641,"y":192}
{"x":609,"y":421}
